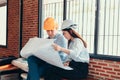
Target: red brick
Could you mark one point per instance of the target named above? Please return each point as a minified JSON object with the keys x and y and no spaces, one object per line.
{"x":109,"y":61}
{"x":104,"y":74}
{"x":114,"y":65}
{"x":93,"y":69}
{"x":93,"y":62}
{"x":111,"y":72}
{"x":115,"y":76}
{"x":117,"y":69}
{"x":109,"y":79}
{"x":97,"y":66}
{"x":100,"y":70}
{"x":102,"y":64}
{"x":107,"y":68}
{"x":94,"y":72}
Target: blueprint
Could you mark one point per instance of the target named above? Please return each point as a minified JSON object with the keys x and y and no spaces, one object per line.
{"x":42,"y":48}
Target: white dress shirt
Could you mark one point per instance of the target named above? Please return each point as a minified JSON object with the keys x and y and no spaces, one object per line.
{"x":78,"y":52}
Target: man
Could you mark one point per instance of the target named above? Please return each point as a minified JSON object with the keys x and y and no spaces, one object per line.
{"x":38,"y":67}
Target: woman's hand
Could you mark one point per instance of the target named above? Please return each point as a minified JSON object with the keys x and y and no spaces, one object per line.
{"x":66,"y":63}
{"x":56,"y":47}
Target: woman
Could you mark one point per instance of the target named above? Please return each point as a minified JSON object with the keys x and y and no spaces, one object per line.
{"x":78,"y":57}
{"x":37,"y":67}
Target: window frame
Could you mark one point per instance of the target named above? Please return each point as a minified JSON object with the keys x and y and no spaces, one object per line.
{"x":6,"y":45}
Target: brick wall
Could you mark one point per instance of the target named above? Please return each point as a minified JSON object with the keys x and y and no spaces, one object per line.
{"x":104,"y":69}
{"x":98,"y":69}
{"x":13,"y":29}
{"x":30,"y":25}
{"x":30,"y":19}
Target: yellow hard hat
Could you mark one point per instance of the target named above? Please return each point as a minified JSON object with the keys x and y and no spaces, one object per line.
{"x":50,"y":24}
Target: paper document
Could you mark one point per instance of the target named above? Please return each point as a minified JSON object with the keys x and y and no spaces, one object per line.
{"x":42,"y":48}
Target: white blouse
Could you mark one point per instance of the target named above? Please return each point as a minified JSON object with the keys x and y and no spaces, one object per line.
{"x":77,"y":51}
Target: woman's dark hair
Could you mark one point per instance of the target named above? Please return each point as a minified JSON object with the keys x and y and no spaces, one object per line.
{"x":74,"y":34}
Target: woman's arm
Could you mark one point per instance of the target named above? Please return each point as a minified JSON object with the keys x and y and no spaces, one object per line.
{"x":77,"y":51}
{"x":58,"y":48}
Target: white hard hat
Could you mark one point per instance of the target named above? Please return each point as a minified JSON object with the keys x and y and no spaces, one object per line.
{"x":68,"y":24}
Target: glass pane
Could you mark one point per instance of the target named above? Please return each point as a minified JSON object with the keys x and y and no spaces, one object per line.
{"x":109,"y":27}
{"x":82,"y":12}
{"x":3,"y":22}
{"x":53,"y":8}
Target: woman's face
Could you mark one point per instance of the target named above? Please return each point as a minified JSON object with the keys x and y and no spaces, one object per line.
{"x":51,"y":33}
{"x":66,"y":35}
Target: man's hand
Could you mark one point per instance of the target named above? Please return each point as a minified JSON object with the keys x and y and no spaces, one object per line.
{"x":66,"y":63}
{"x":56,"y":47}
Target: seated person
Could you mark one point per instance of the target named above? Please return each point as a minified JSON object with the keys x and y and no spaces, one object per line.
{"x":78,"y":56}
{"x":38,"y":67}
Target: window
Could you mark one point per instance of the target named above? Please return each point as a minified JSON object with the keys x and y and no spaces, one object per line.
{"x":98,"y":23}
{"x":82,"y":12}
{"x":109,"y":28}
{"x":3,"y":23}
{"x":97,"y":15}
{"x":53,"y":8}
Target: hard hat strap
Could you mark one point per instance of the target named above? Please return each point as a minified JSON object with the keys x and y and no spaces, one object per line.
{"x":71,"y":26}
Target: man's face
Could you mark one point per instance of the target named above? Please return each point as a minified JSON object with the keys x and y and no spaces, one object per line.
{"x":51,"y":33}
